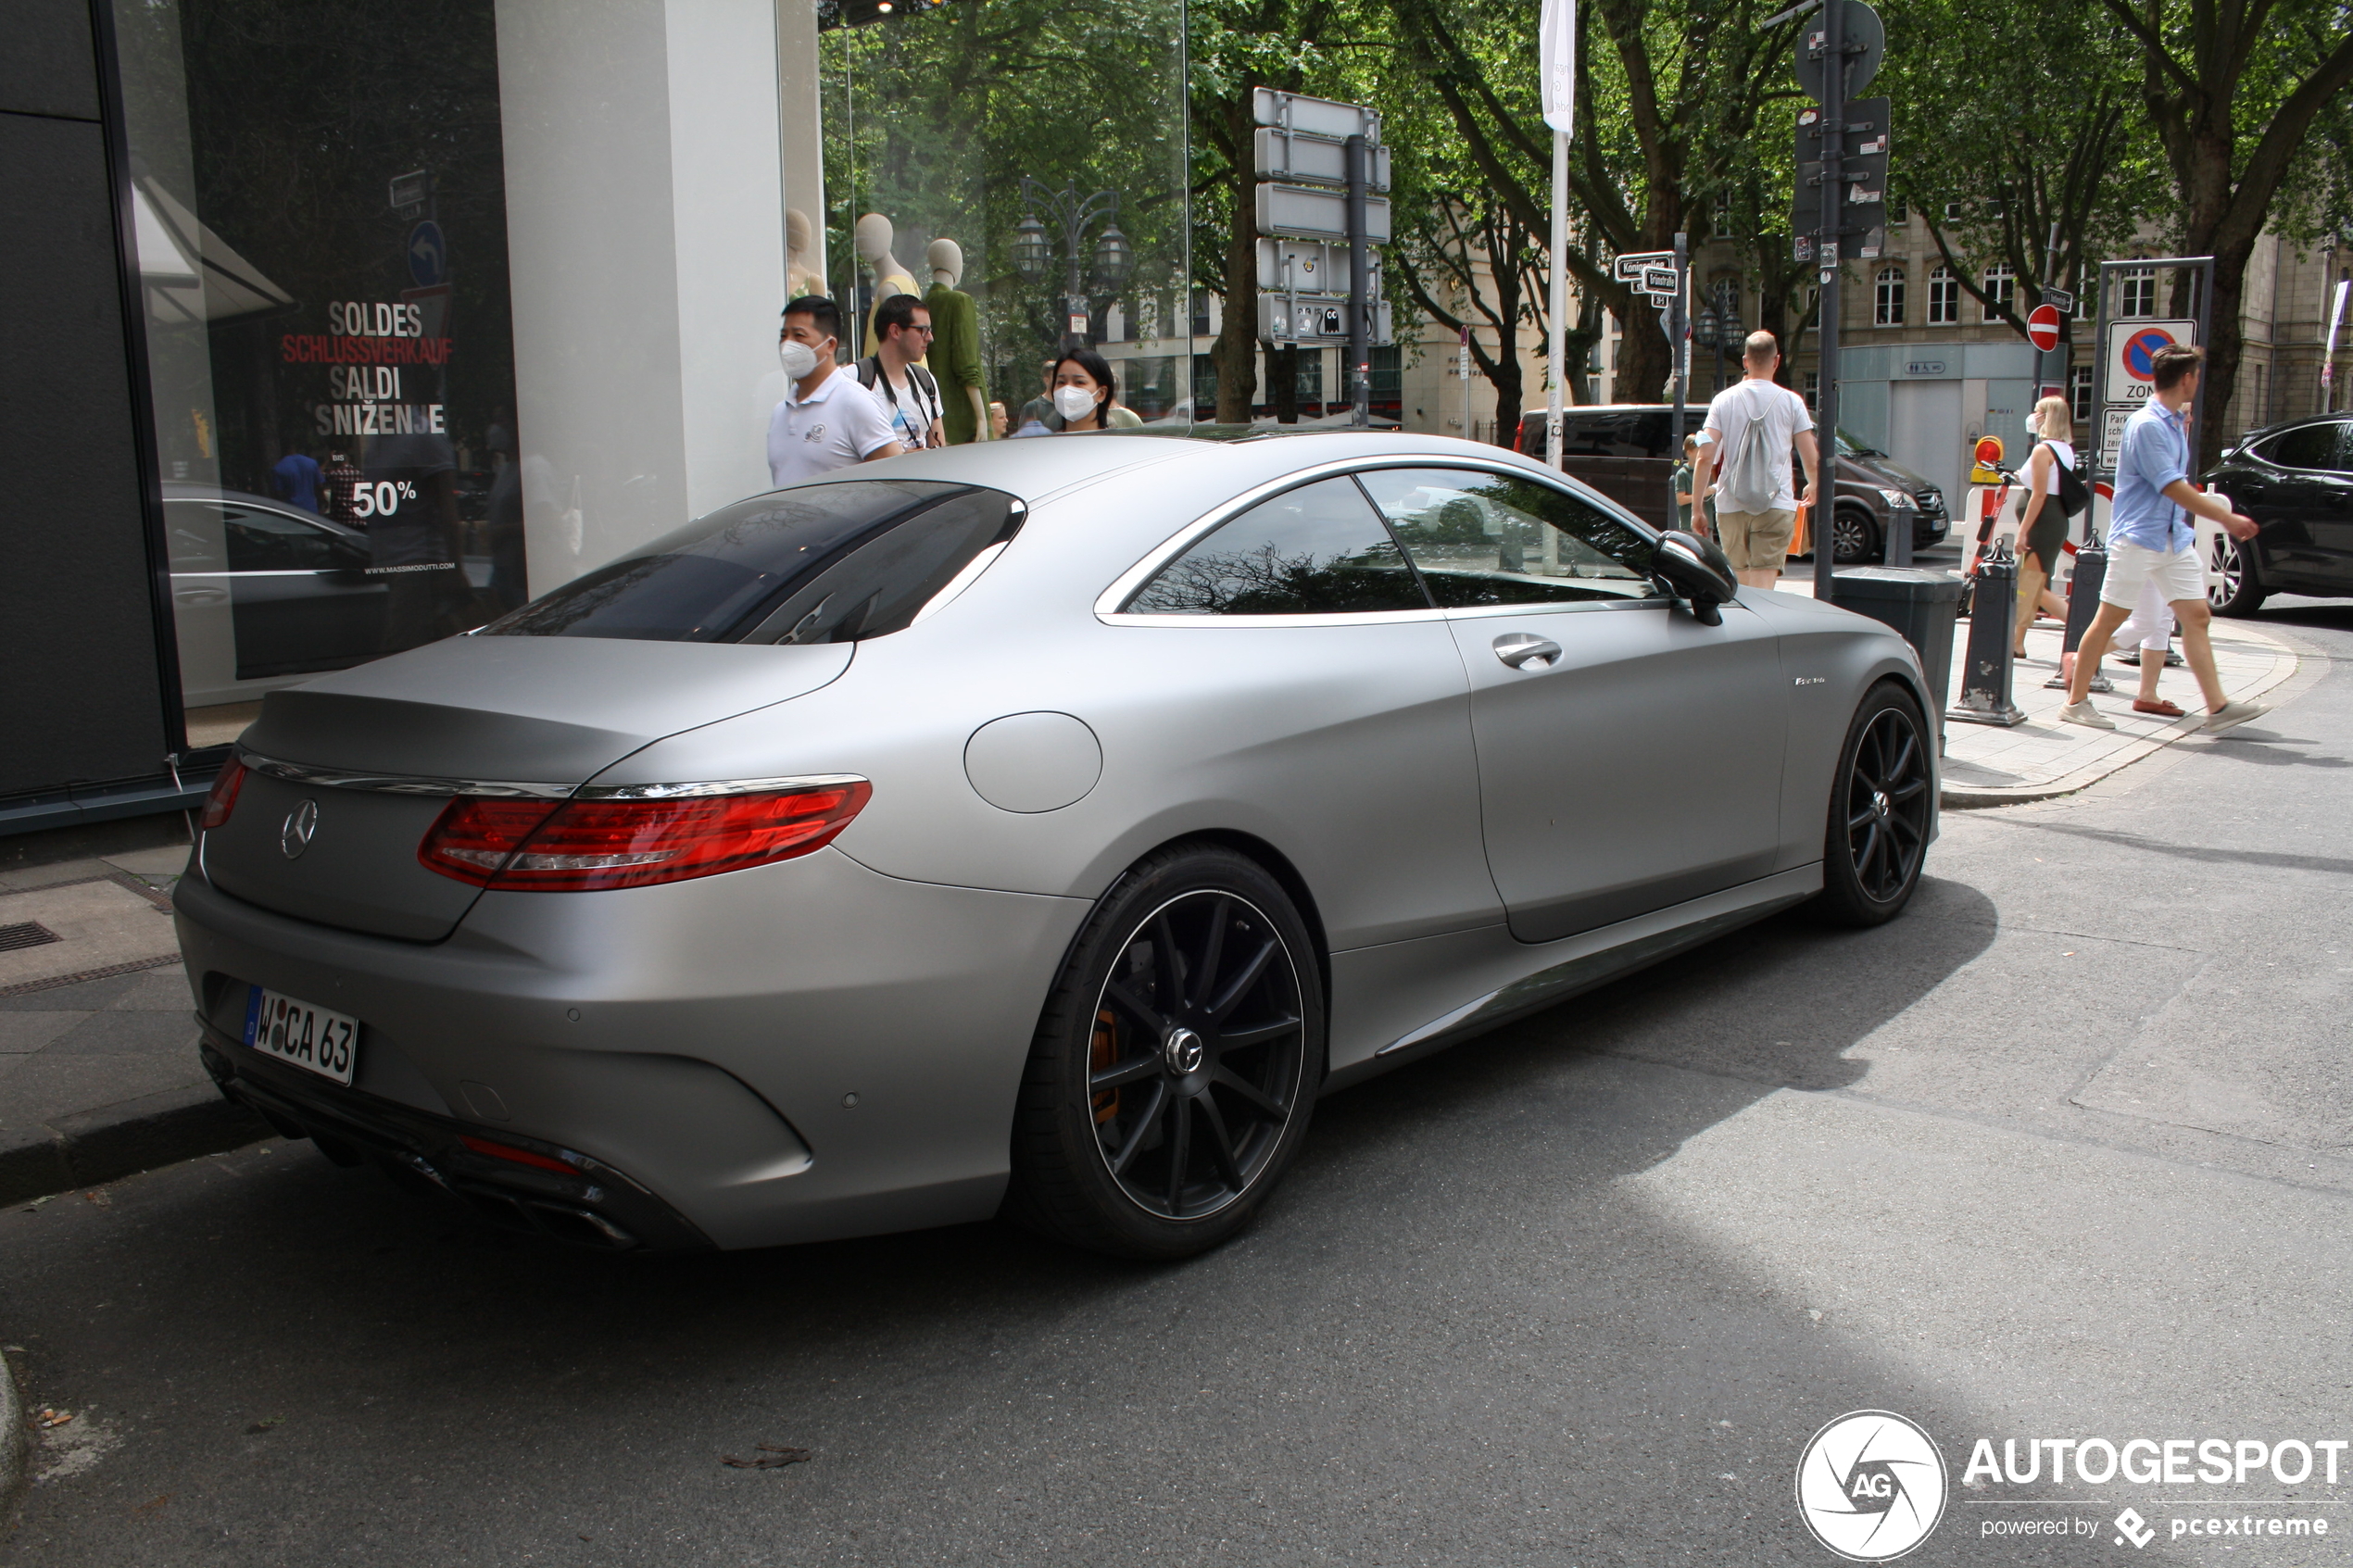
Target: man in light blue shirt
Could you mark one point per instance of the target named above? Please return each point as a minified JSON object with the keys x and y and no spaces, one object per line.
{"x":2150,"y":540}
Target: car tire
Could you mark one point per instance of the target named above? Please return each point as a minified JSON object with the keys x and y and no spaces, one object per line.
{"x":1883,"y":806}
{"x":1175,"y":1063}
{"x":1854,"y":537}
{"x":2240,"y":591}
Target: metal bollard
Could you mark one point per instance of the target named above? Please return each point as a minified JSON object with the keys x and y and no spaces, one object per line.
{"x":2083,"y":603}
{"x":1986,"y":669}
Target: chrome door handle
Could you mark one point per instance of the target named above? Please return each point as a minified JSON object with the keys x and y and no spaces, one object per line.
{"x":1523,"y":651}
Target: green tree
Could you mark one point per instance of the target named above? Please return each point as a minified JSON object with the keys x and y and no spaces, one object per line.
{"x":2032,"y":128}
{"x":2233,"y":90}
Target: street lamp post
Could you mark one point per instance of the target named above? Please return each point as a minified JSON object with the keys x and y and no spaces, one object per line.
{"x":1113,"y":258}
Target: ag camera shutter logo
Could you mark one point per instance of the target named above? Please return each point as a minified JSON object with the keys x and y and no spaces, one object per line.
{"x":1871,"y":1486}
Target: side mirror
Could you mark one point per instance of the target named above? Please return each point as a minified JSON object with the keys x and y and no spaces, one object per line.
{"x":1697,"y":570}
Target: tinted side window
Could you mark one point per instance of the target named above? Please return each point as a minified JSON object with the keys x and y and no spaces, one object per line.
{"x":1620,"y":434}
{"x":1484,"y":538}
{"x":260,"y":541}
{"x":2320,"y":446}
{"x":1315,"y":550}
{"x":861,"y":557}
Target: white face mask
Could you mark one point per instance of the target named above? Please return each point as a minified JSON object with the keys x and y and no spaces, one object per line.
{"x":1074,"y":401}
{"x":797,"y":358}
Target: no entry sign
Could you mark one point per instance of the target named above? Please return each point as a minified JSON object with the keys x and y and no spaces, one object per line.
{"x":2043,"y":328}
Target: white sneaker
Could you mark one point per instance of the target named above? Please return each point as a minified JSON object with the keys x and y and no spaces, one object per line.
{"x":2235,"y":713}
{"x":2090,"y":718}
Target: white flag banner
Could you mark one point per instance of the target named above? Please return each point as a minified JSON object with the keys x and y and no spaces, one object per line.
{"x":1556,"y":62}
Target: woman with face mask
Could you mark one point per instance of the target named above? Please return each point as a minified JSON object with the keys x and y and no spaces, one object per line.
{"x":1084,"y":396}
{"x":2042,"y":528}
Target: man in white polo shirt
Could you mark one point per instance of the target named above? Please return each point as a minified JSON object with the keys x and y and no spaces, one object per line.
{"x":826,"y":422}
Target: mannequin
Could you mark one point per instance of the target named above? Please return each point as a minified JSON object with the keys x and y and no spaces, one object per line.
{"x":800,"y":277}
{"x":955,"y":346}
{"x":874,"y":235}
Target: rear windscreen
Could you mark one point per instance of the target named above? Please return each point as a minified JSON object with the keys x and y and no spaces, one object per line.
{"x":821,"y":563}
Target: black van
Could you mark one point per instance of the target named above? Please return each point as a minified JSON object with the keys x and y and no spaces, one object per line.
{"x":1626,"y":451}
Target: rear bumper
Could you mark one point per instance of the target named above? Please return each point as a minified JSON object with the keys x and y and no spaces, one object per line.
{"x":596,"y":1206}
{"x":790,"y":1053}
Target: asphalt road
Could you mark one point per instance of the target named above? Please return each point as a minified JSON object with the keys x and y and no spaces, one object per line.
{"x":2062,"y":1153}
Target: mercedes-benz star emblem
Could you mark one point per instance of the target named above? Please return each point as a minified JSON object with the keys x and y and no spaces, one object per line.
{"x":1183,"y":1051}
{"x":302,"y":825}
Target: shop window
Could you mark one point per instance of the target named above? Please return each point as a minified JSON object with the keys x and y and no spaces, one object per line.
{"x":1887,"y":298}
{"x":1388,"y":374}
{"x":1071,"y":223}
{"x":1204,"y":386}
{"x":326,"y":277}
{"x":1943,"y":298}
{"x":1311,"y":375}
{"x":2001,"y":292}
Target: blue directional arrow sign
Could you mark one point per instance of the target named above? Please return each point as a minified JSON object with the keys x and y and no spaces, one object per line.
{"x":428,"y":255}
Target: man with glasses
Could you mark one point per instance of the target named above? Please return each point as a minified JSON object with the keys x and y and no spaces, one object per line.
{"x":895,"y":374}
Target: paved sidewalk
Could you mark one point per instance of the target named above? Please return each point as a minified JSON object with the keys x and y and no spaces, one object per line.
{"x":1999,"y":765}
{"x":99,"y":1075}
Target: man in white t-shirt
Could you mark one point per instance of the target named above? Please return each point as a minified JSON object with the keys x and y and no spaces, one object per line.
{"x":896,"y":374}
{"x":826,"y":422}
{"x":1756,"y":538}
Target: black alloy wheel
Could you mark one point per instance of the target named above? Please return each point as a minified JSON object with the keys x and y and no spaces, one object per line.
{"x":1177,"y":1065}
{"x":1854,"y":537}
{"x":2239,"y":591}
{"x":1882,"y":809}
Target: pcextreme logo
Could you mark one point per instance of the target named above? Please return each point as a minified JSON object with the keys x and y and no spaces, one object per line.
{"x":1870,"y":1486}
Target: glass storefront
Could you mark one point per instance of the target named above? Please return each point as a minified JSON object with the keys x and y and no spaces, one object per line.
{"x":367,"y":440}
{"x":319,"y":211}
{"x":1021,"y":162}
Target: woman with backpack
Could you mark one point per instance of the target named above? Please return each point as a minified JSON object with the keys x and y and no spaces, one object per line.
{"x":2052,"y":496}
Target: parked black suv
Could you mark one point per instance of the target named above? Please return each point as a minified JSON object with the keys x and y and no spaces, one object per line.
{"x":2295,"y":481}
{"x":1624,"y":450}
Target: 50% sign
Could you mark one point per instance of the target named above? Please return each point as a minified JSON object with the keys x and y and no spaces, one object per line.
{"x":383,"y":498}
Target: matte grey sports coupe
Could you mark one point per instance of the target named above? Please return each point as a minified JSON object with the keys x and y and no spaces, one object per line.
{"x":1037,"y":826}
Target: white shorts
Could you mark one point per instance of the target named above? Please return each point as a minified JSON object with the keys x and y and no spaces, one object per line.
{"x":2177,"y":573}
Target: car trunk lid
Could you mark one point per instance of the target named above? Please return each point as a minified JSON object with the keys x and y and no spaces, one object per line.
{"x":378,"y":751}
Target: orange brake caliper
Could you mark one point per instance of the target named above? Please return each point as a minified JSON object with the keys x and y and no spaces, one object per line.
{"x":1105,"y":1052}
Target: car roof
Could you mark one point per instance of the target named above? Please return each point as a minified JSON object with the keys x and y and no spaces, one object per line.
{"x":190,"y":490}
{"x":1036,"y":469}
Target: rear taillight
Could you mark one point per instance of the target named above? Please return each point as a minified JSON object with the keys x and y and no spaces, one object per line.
{"x":223,"y":798}
{"x":576,"y":846}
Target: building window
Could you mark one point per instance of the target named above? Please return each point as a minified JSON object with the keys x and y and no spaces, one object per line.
{"x":1311,"y":375}
{"x":1887,"y":299}
{"x":2136,"y":294}
{"x":1898,"y":214}
{"x":2001,"y":292}
{"x":2079,"y":393}
{"x":1813,"y":387}
{"x":1943,"y":298}
{"x":2084,"y":303}
{"x":1388,"y":374}
{"x":1204,"y":386}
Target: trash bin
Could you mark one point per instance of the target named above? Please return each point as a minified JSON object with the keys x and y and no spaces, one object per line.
{"x":1917,"y":601}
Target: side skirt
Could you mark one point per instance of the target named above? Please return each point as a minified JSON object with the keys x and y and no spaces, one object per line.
{"x":1535,"y":977}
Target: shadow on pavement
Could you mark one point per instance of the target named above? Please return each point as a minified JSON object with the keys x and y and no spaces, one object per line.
{"x":1454,"y":1337}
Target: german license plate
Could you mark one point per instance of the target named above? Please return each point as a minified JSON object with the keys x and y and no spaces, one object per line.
{"x":310,"y":1038}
